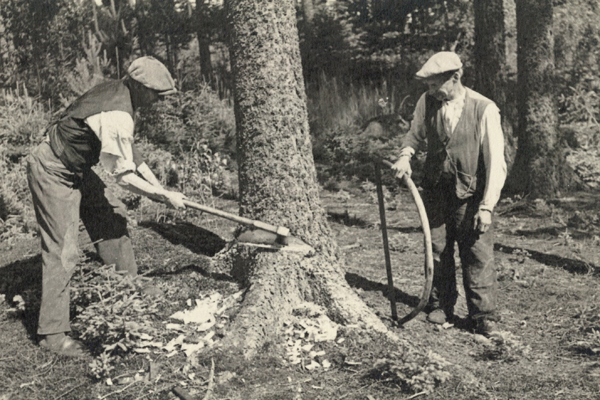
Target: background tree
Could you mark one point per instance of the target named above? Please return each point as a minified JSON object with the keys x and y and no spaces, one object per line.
{"x":41,"y":38}
{"x":541,"y":168}
{"x":278,"y":179}
{"x":208,"y":22}
{"x":490,"y":68}
{"x":308,"y":10}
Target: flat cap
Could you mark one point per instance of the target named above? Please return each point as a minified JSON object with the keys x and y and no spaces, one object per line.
{"x":153,"y":74}
{"x":439,"y":63}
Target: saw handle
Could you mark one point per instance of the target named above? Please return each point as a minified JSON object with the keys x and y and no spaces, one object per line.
{"x":279,"y":230}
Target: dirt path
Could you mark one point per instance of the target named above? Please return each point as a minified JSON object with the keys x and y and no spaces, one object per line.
{"x":548,"y":300}
{"x":547,"y":261}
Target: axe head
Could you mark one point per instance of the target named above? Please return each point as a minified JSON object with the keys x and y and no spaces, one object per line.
{"x":283,"y":231}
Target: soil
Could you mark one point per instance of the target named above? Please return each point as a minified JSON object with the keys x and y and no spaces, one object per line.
{"x":547,"y":261}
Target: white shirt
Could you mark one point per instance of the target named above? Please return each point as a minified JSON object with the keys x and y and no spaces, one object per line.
{"x":115,"y":131}
{"x":492,"y":141}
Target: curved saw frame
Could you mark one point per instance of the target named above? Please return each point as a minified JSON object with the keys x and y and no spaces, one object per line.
{"x":428,"y":250}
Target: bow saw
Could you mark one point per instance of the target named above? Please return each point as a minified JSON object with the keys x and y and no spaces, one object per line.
{"x":427,"y":244}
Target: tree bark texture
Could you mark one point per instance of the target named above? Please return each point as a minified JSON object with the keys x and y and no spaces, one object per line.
{"x":541,"y":163}
{"x":278,"y":179}
{"x":490,"y":62}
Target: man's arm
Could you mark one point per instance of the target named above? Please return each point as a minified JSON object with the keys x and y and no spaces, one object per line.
{"x":130,"y":181}
{"x":115,"y":131}
{"x":413,"y":139}
{"x":492,"y":143}
{"x":142,"y":168}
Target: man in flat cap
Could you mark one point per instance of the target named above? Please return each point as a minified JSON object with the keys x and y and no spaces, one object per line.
{"x":464,"y":174}
{"x":97,"y":127}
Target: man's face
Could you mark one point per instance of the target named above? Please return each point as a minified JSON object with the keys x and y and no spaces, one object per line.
{"x":440,"y":86}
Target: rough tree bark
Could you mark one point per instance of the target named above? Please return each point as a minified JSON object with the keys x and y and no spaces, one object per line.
{"x":540,"y":166}
{"x":490,"y":62}
{"x":278,"y":180}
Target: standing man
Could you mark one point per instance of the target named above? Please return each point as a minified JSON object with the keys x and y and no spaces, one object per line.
{"x":464,"y":174}
{"x":97,"y":127}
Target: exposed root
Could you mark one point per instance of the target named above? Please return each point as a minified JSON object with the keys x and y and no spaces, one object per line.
{"x":278,"y":283}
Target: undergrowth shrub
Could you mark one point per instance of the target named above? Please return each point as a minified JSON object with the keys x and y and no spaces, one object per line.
{"x":354,"y":125}
{"x":112,"y":316}
{"x":17,"y":217}
{"x":412,"y":370}
{"x":588,"y":329}
{"x":190,"y":142}
{"x":184,"y":122}
{"x":22,"y":120}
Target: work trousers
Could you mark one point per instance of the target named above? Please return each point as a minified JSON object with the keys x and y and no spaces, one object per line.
{"x":60,"y":199}
{"x":451,"y":221}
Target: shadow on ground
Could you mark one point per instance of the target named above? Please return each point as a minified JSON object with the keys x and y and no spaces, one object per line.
{"x":217,"y":276}
{"x":552,"y":260}
{"x":24,"y":278}
{"x":360,"y":282}
{"x":196,"y":239}
{"x":346,"y":219}
{"x":405,"y":229}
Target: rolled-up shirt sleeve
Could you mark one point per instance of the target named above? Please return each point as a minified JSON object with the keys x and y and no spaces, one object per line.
{"x":416,"y":135}
{"x":492,"y":144}
{"x":115,"y":131}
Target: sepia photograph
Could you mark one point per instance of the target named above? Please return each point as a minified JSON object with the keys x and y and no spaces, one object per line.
{"x":299,"y":199}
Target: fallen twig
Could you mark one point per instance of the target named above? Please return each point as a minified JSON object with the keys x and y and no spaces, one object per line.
{"x":161,"y":389}
{"x":182,"y":394}
{"x":68,"y":391}
{"x":417,"y":395}
{"x":350,"y":246}
{"x":211,"y":380}
{"x":119,"y":391}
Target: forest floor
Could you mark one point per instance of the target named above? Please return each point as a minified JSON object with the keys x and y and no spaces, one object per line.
{"x":547,"y":257}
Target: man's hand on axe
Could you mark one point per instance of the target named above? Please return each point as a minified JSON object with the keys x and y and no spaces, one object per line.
{"x":135,"y":184}
{"x":175,"y":199}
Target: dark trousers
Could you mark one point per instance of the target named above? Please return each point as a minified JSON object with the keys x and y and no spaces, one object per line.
{"x":451,"y":221}
{"x":60,"y":199}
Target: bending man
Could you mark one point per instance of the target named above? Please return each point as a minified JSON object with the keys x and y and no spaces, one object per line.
{"x":97,"y":127}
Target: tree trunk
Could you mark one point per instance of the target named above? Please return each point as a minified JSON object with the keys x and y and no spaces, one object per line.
{"x":540,"y":167}
{"x":203,"y":35}
{"x":278,"y":180}
{"x":205,"y":60}
{"x":490,"y":63}
{"x":308,"y":9}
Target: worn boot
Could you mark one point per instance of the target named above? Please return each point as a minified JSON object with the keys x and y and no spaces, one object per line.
{"x":439,"y":316}
{"x":484,"y":326}
{"x":63,"y":345}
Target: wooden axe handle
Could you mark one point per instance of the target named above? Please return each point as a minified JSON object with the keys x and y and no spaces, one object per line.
{"x":279,"y":230}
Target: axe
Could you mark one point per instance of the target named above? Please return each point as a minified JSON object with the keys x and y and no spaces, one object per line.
{"x":282,"y":233}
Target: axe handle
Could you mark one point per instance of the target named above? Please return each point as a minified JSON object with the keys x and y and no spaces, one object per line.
{"x":282,"y":231}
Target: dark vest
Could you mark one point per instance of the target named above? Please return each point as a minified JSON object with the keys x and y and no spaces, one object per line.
{"x":73,"y":142}
{"x":457,"y":158}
